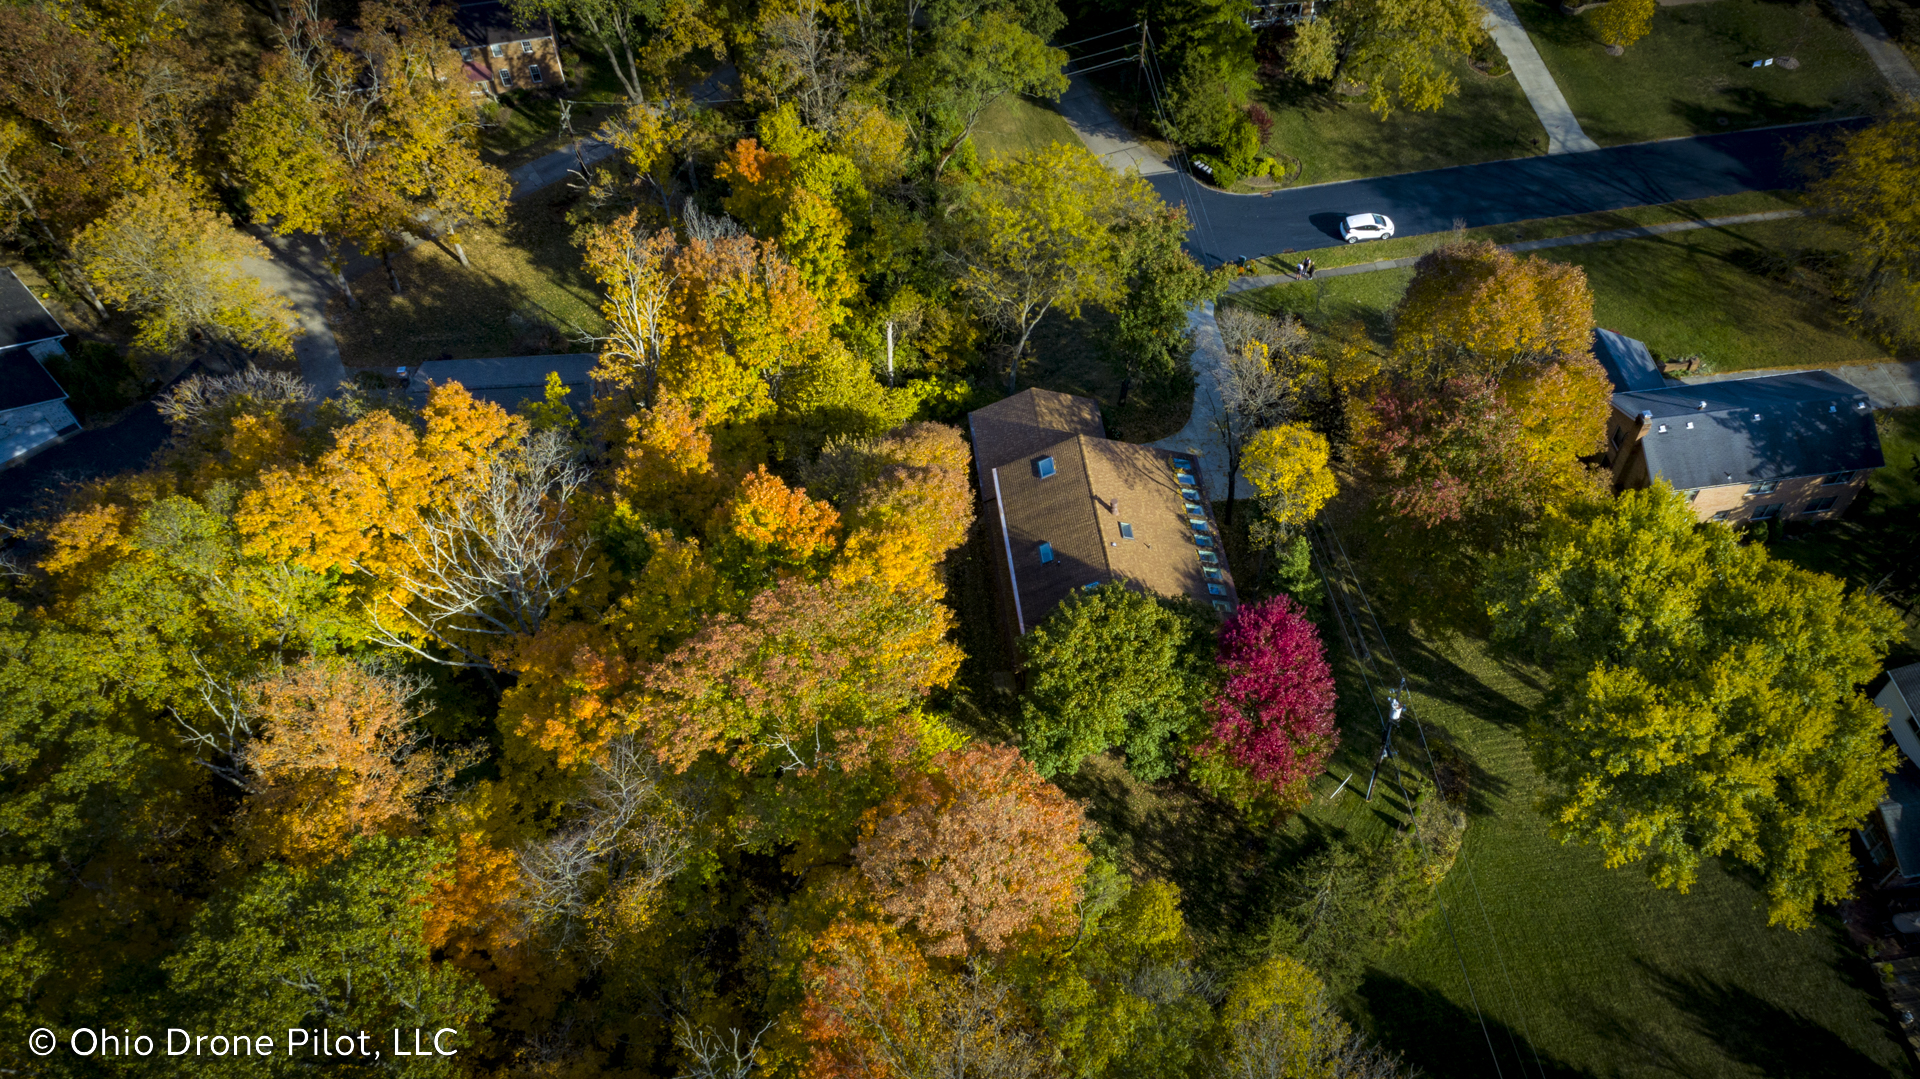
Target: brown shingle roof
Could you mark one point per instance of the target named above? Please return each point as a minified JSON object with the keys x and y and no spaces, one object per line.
{"x":1025,"y":424}
{"x":1097,"y":485}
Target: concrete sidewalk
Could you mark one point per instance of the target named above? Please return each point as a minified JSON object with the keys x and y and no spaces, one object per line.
{"x":1887,"y":56}
{"x":1200,"y":438}
{"x":1109,"y":140}
{"x":1563,"y":131}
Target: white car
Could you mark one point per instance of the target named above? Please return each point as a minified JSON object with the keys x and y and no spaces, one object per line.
{"x":1366,"y":227}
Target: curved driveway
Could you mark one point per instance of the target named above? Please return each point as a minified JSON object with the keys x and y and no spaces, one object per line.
{"x":1495,"y":192}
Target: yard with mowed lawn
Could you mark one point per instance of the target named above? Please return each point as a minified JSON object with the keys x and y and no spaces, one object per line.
{"x":1016,"y":124}
{"x":1334,"y":137}
{"x":1691,"y":74}
{"x":1737,"y":295}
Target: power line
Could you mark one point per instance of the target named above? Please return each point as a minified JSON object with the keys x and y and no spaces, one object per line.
{"x":1366,"y":661}
{"x":1519,"y":1002}
{"x":1096,"y":37}
{"x":1156,"y":84}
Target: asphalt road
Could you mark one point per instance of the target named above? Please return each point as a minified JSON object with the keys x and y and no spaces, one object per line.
{"x":1643,"y":174}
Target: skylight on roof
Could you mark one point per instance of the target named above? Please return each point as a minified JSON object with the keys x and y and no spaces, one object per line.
{"x":1046,"y":553}
{"x":1043,"y":468}
{"x":1126,"y":530}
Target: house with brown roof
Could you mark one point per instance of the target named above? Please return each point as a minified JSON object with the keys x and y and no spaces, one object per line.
{"x":1067,"y":508}
{"x":497,"y":54}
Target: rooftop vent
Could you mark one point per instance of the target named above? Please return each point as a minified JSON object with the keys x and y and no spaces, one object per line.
{"x":1703,"y":407}
{"x":1756,"y":416}
{"x":1043,"y":467}
{"x":1860,"y":404}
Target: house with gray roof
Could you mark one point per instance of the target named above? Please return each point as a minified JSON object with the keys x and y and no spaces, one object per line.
{"x":33,"y":407}
{"x":1785,"y":446}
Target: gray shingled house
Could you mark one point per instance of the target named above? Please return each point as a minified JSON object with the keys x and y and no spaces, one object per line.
{"x":1750,"y":449}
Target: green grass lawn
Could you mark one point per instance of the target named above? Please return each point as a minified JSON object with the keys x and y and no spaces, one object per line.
{"x":1719,"y":292}
{"x":1714,"y":292}
{"x":1337,"y":138}
{"x":527,"y":267}
{"x":1688,"y":76}
{"x":1592,"y":971}
{"x":1015,"y":124}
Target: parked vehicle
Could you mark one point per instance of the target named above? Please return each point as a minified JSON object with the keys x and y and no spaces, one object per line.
{"x":1366,"y":227}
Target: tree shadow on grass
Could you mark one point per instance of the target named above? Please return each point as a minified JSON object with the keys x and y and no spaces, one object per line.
{"x":1774,"y":1041}
{"x":1447,"y":1040}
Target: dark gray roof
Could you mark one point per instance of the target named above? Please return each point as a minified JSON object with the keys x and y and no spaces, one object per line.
{"x":24,"y":382}
{"x":1908,"y":679}
{"x":1627,"y":362}
{"x":1706,"y":434}
{"x":489,"y":22}
{"x":505,"y":380}
{"x":23,"y":320}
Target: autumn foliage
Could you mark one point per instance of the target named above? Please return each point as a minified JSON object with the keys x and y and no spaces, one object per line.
{"x":1273,"y":725}
{"x":1473,"y":308}
{"x":337,"y":756}
{"x":975,"y":851}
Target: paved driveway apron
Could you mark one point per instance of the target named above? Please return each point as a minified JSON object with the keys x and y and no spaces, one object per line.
{"x":1495,"y":192}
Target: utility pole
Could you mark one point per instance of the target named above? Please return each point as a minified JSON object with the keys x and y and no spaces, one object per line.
{"x":1395,"y":711}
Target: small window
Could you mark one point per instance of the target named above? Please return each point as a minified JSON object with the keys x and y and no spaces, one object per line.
{"x":1722,"y":515}
{"x":1189,"y":494}
{"x":498,"y":50}
{"x":1765,"y":488}
{"x":1615,"y":438}
{"x":1209,"y":557}
{"x":533,"y":72}
{"x":1693,"y":494}
{"x":1768,"y":512}
{"x":526,"y":48}
{"x":1182,"y":462}
{"x":1836,"y":478}
{"x":506,"y":77}
{"x":1223,"y":606}
{"x":1210,"y":573}
{"x":1216,"y":589}
{"x":1203,"y":541}
{"x":1380,"y":221}
{"x":1046,"y":553}
{"x":466,"y":54}
{"x":1043,"y":468}
{"x":1126,"y":530}
{"x":1199,"y":524}
{"x":1184,"y":477}
{"x":1196,"y":509}
{"x":1090,"y":586}
{"x":1820,"y":505}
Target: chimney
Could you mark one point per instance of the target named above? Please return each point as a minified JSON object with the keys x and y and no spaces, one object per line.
{"x":1646,"y":424}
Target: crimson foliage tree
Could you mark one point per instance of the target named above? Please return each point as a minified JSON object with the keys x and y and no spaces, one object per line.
{"x":1273,"y":726}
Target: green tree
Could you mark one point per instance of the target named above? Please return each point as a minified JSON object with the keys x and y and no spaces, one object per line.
{"x":1150,"y":340}
{"x":1623,"y":22}
{"x":1113,"y":667}
{"x":175,"y":265}
{"x":1706,"y":697}
{"x":338,"y":947}
{"x":972,"y":64}
{"x":1043,"y":232}
{"x":1872,"y":181}
{"x":1402,"y":51}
